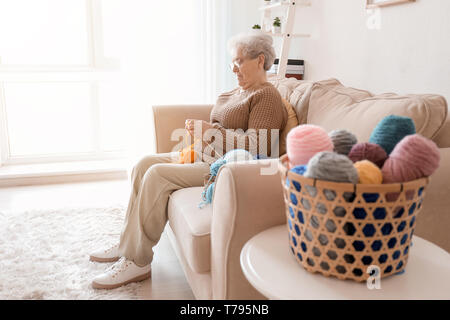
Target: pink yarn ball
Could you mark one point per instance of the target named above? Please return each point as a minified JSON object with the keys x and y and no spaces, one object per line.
{"x":414,"y":157}
{"x":304,"y":141}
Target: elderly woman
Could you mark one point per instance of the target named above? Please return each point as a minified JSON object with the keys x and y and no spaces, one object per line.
{"x":255,"y":107}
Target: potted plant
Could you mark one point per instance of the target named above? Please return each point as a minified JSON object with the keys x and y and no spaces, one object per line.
{"x":256,"y":26}
{"x":276,"y":27}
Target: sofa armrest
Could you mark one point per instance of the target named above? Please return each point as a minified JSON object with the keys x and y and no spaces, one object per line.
{"x":433,"y":221}
{"x":245,"y":203}
{"x":171,"y":117}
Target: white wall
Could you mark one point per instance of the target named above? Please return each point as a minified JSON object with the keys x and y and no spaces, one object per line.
{"x":409,"y":53}
{"x":243,"y":14}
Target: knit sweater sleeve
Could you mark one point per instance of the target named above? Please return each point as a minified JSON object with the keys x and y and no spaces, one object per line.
{"x":266,"y":112}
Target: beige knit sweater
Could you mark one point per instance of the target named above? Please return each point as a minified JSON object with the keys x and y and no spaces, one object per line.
{"x":244,"y":119}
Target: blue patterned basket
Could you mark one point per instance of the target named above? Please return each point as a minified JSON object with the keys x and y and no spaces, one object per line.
{"x":342,"y":229}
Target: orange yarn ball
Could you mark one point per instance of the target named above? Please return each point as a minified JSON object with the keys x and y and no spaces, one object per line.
{"x":368,"y":172}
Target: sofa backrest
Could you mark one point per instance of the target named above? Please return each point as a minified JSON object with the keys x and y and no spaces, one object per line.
{"x":443,"y":137}
{"x":331,"y":105}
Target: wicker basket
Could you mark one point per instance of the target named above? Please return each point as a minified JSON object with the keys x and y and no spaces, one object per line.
{"x":340,"y":229}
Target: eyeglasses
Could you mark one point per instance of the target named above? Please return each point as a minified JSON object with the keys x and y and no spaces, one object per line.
{"x":235,"y":64}
{"x":238,"y":65}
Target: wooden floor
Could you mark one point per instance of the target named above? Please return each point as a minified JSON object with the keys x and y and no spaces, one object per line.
{"x":168,"y":280}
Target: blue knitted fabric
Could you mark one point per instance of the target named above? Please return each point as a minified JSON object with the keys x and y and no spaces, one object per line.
{"x":208,"y":192}
{"x":390,"y":130}
{"x":215,"y":166}
{"x":230,"y":156}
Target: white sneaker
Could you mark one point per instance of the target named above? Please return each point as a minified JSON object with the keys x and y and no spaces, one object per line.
{"x":108,"y":255}
{"x":121,"y":273}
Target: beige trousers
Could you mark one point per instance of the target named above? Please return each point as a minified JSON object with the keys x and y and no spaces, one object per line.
{"x":153,"y":179}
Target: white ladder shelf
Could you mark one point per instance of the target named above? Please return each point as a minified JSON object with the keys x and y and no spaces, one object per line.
{"x":287,"y":35}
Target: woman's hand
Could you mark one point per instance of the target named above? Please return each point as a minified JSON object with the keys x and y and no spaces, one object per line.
{"x":190,"y":126}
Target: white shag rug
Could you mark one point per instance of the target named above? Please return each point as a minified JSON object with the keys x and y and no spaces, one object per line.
{"x":44,"y":254}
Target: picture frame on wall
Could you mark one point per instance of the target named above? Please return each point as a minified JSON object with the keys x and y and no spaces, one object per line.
{"x":370,"y":4}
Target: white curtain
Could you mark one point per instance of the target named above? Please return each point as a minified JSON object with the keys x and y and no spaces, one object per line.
{"x":169,"y":52}
{"x":104,"y":64}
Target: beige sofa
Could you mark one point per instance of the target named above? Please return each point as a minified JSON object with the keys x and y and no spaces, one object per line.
{"x":208,"y":241}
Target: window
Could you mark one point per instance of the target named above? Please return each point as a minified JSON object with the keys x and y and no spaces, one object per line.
{"x":50,"y":66}
{"x":42,"y":122}
{"x":43,"y":32}
{"x":78,"y":77}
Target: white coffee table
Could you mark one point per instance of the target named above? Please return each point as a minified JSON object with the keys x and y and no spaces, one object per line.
{"x":271,"y":268}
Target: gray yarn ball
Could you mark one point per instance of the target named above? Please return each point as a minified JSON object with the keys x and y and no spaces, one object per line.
{"x":331,"y":166}
{"x":343,"y":141}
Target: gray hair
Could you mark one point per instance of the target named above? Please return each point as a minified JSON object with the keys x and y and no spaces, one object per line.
{"x":253,"y":44}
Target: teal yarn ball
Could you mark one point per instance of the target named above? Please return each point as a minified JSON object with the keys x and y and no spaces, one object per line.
{"x":390,"y":130}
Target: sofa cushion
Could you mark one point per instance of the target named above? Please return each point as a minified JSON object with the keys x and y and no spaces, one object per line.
{"x":192,"y":227}
{"x":296,"y":92}
{"x":442,"y":139}
{"x":334,"y":106}
{"x":291,"y":122}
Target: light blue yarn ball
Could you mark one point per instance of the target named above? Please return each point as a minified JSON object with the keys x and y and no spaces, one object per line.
{"x":230,"y":156}
{"x":390,"y":130}
{"x":238,"y":155}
